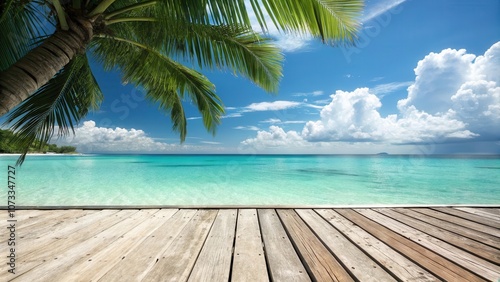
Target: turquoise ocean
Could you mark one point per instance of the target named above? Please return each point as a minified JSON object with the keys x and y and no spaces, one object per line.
{"x":254,"y":180}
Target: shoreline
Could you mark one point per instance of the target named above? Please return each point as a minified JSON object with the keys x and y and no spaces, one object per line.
{"x":41,"y":154}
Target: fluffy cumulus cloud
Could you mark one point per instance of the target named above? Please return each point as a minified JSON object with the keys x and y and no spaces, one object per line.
{"x":90,"y":138}
{"x":276,"y":137}
{"x":455,"y":96}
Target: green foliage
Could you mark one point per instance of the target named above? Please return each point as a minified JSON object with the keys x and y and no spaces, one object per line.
{"x":8,"y":145}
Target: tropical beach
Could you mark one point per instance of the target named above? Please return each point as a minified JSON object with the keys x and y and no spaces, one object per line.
{"x":256,"y":140}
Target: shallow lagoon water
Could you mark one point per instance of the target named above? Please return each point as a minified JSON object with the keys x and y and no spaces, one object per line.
{"x":254,"y":180}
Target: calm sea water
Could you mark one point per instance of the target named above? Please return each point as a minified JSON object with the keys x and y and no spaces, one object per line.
{"x":253,"y":180}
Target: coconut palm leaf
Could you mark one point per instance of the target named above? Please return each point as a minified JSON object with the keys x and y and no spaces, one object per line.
{"x":158,"y":74}
{"x":334,"y":21}
{"x":20,"y":23}
{"x":62,"y":102}
{"x":224,"y":47}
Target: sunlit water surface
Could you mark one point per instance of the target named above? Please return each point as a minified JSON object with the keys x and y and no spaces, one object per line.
{"x":253,"y":180}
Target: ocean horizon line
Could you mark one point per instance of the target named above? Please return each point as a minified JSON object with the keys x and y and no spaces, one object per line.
{"x":453,"y":155}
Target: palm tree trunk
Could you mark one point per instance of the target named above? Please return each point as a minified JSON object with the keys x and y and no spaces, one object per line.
{"x":35,"y":69}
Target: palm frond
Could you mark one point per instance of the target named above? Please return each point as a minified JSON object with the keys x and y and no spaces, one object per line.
{"x":334,"y":21}
{"x":224,"y":47}
{"x":20,"y":22}
{"x":62,"y":102}
{"x":160,"y":76}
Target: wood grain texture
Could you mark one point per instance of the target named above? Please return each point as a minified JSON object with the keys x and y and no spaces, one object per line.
{"x":249,"y":262}
{"x":355,"y":260}
{"x":394,"y":262}
{"x":284,"y":263}
{"x":293,"y":244}
{"x":322,"y":265}
{"x":214,"y":261}
{"x":428,"y":259}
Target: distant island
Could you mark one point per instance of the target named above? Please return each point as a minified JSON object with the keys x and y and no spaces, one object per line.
{"x":8,"y":146}
{"x":383,"y":154}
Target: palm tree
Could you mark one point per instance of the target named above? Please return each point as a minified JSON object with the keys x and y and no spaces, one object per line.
{"x":45,"y":78}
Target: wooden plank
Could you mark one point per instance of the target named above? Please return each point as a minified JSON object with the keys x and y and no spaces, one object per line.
{"x":142,"y":257}
{"x":457,"y":225}
{"x":106,"y":256}
{"x":358,"y":263}
{"x":41,"y":226}
{"x":284,"y":263}
{"x":494,"y":211}
{"x":460,"y":261}
{"x":249,"y":263}
{"x":429,"y":260}
{"x":177,"y":261}
{"x":62,"y":228}
{"x":214,"y":261}
{"x":51,"y":246}
{"x":481,"y":250}
{"x":322,"y":265}
{"x":398,"y":265}
{"x":470,"y":216}
{"x":481,"y":213}
{"x":47,"y":225}
{"x":79,"y":252}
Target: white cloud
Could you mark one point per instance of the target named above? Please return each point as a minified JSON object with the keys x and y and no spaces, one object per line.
{"x":354,"y":116}
{"x":380,"y":8}
{"x":90,"y":138}
{"x":438,"y":77}
{"x":253,"y":128}
{"x":306,"y":94}
{"x":272,"y":120}
{"x":387,"y":88}
{"x":276,"y":137}
{"x":271,"y":106}
{"x":233,"y":115}
{"x":455,"y":96}
{"x":278,"y":121}
{"x":210,"y":142}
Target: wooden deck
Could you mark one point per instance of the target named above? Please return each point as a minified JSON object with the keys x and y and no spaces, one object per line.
{"x":369,"y":244}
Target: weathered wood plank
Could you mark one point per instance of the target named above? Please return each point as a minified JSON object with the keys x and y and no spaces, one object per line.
{"x":481,"y":250}
{"x":48,"y":270}
{"x":142,"y":257}
{"x":431,"y":261}
{"x":398,"y":265}
{"x":177,"y":261}
{"x":461,"y":261}
{"x":249,"y":263}
{"x":69,"y":234}
{"x":481,"y":213}
{"x":322,"y":265}
{"x":214,"y":261}
{"x":494,"y":211}
{"x":63,"y":227}
{"x":357,"y":262}
{"x":408,"y":243}
{"x":470,"y":216}
{"x":42,"y":225}
{"x":478,"y":232}
{"x":284,"y":263}
{"x":98,"y":263}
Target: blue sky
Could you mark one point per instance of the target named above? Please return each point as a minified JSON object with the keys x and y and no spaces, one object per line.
{"x":423,"y":79}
